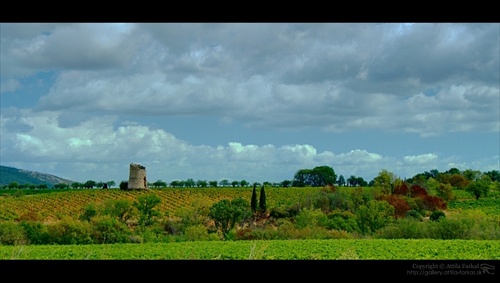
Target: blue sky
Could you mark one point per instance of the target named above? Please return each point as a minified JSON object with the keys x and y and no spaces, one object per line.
{"x":249,"y":101}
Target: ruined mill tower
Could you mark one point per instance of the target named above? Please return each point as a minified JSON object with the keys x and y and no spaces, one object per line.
{"x":137,"y":177}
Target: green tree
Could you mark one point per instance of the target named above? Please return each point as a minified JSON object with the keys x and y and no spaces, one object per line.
{"x":374,"y":215}
{"x":145,"y":205}
{"x":13,"y":185}
{"x":121,"y":209}
{"x":341,"y":181}
{"x":226,"y":214}
{"x":90,"y":184}
{"x":262,"y":200}
{"x":318,"y":176}
{"x":175,"y":184}
{"x":61,"y":186}
{"x":494,"y":175}
{"x":159,"y":184}
{"x":384,"y":181}
{"x":253,"y":202}
{"x":189,"y":183}
{"x":479,"y":187}
{"x":201,"y":183}
{"x":352,"y":181}
{"x":124,"y":185}
{"x":76,"y":185}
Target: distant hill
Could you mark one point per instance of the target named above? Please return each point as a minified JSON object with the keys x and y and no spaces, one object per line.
{"x":11,"y":174}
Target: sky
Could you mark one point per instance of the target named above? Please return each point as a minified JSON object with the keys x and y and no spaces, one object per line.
{"x":249,"y":101}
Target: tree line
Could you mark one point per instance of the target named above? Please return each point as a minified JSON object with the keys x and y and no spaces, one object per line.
{"x":318,"y":176}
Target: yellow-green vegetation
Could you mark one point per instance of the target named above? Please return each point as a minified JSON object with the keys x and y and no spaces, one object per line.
{"x":341,"y":249}
{"x":55,"y":205}
{"x":393,"y":222}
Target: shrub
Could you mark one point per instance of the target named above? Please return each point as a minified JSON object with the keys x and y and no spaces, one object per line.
{"x":373,"y":216}
{"x":449,"y":229}
{"x":403,"y":229}
{"x":89,"y":211}
{"x":108,"y":230}
{"x":121,"y":209}
{"x":413,"y":214}
{"x":36,"y":232}
{"x":399,"y":204}
{"x":146,"y":206}
{"x":123,"y":185}
{"x":437,"y":215}
{"x":279,"y":212}
{"x":433,"y":203}
{"x":69,"y":232}
{"x":197,"y":233}
{"x":257,"y":234}
{"x":310,"y":218}
{"x":12,"y":234}
{"x":342,"y":220}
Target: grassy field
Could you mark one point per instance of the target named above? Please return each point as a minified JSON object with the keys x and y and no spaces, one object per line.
{"x":341,"y":249}
{"x":52,"y":205}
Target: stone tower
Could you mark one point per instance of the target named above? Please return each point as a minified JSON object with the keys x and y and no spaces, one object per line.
{"x":137,"y":177}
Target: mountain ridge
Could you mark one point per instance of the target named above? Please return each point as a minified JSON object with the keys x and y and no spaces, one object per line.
{"x":21,"y":176}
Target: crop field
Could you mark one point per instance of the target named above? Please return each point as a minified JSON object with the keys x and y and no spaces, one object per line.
{"x":341,"y":249}
{"x":53,"y":206}
{"x":50,"y":206}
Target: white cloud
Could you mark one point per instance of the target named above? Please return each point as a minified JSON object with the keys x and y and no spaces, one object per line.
{"x":327,"y":79}
{"x":421,"y":159}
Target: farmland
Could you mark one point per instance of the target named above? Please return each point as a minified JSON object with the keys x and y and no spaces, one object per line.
{"x":470,"y":230}
{"x":341,"y":249}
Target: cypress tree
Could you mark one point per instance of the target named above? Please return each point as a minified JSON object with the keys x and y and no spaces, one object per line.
{"x":253,"y":203}
{"x":262,"y":202}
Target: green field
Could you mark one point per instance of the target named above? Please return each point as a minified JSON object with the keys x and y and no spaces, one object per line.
{"x":373,"y":249}
{"x":469,"y":232}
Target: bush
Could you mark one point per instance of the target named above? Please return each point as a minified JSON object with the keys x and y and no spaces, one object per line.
{"x":437,"y":215}
{"x":279,"y":212}
{"x":70,"y":232}
{"x":146,"y":206}
{"x":120,"y":209}
{"x":310,"y":218}
{"x":450,"y":229}
{"x":108,"y":230}
{"x":12,"y":234}
{"x":257,"y":234}
{"x":123,"y":185}
{"x":88,"y":212}
{"x":342,"y":220}
{"x":413,"y":214}
{"x":197,"y":233}
{"x":36,"y":232}
{"x":403,"y":229}
{"x":373,"y":216}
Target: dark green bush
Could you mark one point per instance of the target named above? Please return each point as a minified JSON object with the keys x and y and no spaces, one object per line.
{"x":437,"y":215}
{"x":403,"y":229}
{"x":36,"y":232}
{"x":88,"y":212}
{"x":449,"y":229}
{"x":413,"y":214}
